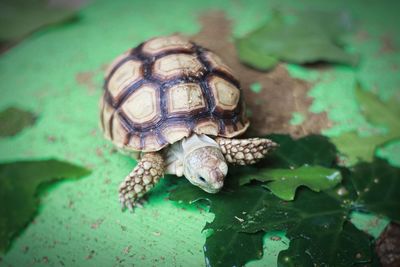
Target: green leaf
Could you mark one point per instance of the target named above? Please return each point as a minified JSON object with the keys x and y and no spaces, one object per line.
{"x":357,"y":148}
{"x":318,"y":218}
{"x":310,"y":159}
{"x":355,"y":246}
{"x":13,"y":120}
{"x":252,"y":57}
{"x":310,"y":38}
{"x":237,"y":201}
{"x":222,"y":247}
{"x":318,"y":211}
{"x":23,"y":17}
{"x":317,"y":224}
{"x":377,"y":112}
{"x":378,"y":187}
{"x":309,"y":150}
{"x":284,"y":182}
{"x":227,"y":246}
{"x":19,"y":182}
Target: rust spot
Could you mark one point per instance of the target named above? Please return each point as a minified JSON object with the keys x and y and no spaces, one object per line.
{"x":127,"y":249}
{"x":387,"y":44}
{"x":51,"y":139}
{"x":97,"y":223}
{"x":275,"y":238}
{"x":85,"y":78}
{"x":90,"y":255}
{"x":99,"y":152}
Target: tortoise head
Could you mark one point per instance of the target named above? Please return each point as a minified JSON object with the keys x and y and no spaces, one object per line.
{"x":206,"y":168}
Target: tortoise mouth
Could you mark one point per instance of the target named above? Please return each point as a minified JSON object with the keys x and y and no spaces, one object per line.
{"x":212,"y":190}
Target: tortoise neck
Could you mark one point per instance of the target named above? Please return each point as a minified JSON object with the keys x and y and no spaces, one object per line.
{"x":176,"y":153}
{"x":197,"y":141}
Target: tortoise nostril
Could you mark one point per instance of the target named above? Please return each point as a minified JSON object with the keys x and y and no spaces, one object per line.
{"x":202,"y":179}
{"x":217,"y":176}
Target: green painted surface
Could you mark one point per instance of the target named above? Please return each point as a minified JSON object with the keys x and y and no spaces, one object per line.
{"x":80,"y":222}
{"x":390,"y":151}
{"x":256,"y":87}
{"x":297,"y":118}
{"x":373,"y":225}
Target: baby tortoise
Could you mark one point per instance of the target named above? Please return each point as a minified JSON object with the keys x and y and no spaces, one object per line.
{"x":175,"y":106}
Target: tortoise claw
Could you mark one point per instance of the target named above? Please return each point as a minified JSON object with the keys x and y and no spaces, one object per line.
{"x":143,"y":177}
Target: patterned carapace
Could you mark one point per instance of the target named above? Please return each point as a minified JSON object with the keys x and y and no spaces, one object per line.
{"x":164,"y":90}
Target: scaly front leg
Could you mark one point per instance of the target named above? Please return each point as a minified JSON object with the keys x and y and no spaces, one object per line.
{"x":144,"y":176}
{"x":244,"y":151}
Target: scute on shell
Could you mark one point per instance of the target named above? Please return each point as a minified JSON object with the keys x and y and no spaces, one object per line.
{"x":166,"y":89}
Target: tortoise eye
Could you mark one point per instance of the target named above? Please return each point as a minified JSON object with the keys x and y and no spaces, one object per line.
{"x":202,"y":179}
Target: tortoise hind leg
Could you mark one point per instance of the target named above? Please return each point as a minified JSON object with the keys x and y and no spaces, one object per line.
{"x":143,"y":177}
{"x":244,"y":151}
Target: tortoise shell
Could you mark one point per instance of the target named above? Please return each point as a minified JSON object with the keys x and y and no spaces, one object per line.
{"x":165,"y":89}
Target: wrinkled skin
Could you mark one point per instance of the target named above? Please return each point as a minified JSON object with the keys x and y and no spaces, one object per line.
{"x":206,"y":168}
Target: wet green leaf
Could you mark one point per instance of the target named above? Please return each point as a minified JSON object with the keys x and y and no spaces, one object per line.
{"x":307,"y":161}
{"x":310,"y":37}
{"x":317,"y":211}
{"x":310,"y":150}
{"x":19,"y":182}
{"x":319,"y":230}
{"x":22,"y":17}
{"x":316,"y":223}
{"x":284,"y":182}
{"x":318,"y":218}
{"x":189,"y":194}
{"x":222,"y":248}
{"x":378,"y":187}
{"x":227,"y":246}
{"x":13,"y":120}
{"x":381,"y":114}
{"x":339,"y":246}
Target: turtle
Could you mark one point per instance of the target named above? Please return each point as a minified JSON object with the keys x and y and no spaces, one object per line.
{"x":176,"y":107}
